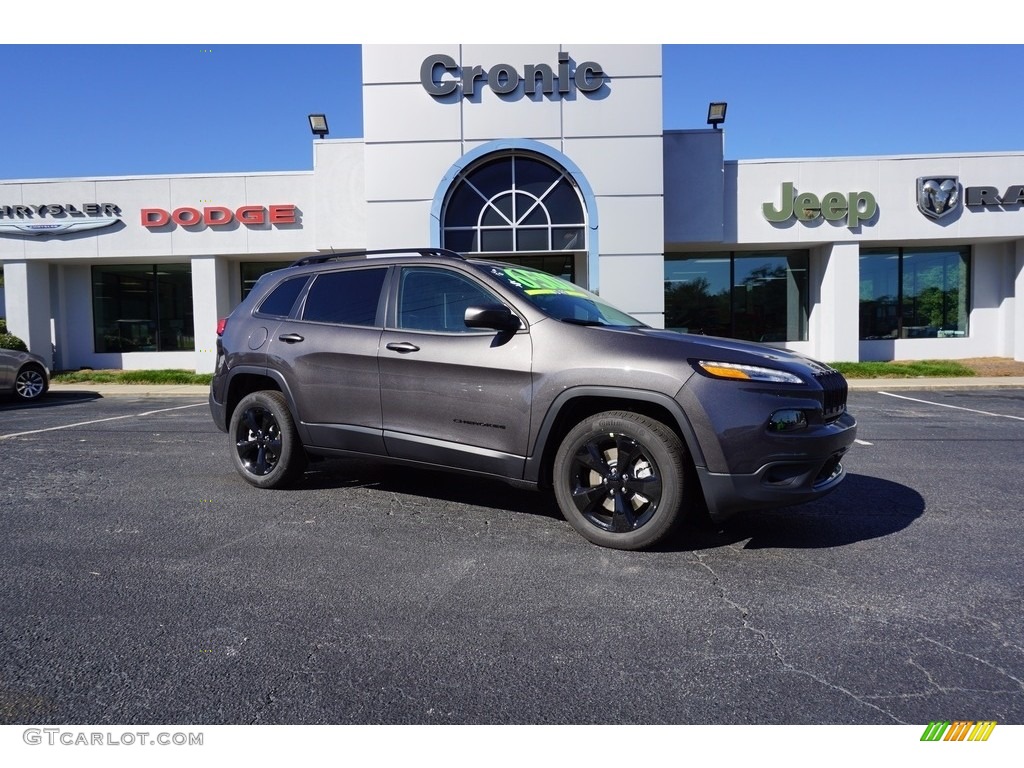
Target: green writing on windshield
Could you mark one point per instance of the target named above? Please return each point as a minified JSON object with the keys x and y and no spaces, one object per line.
{"x":541,"y":283}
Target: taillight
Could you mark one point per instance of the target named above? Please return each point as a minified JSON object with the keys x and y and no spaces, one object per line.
{"x":221,"y":325}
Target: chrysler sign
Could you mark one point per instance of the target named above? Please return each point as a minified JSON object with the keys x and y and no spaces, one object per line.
{"x":56,"y":218}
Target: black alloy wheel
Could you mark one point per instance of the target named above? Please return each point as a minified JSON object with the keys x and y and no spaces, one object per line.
{"x":267,"y":449}
{"x":619,"y":479}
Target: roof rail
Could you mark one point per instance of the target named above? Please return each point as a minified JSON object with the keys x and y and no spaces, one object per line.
{"x":427,"y":252}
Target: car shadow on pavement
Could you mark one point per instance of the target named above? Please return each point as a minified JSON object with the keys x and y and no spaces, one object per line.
{"x":861,"y":508}
{"x":432,"y":484}
{"x":50,"y":400}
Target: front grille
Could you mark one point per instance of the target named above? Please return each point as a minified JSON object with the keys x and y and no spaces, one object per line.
{"x":834,"y":390}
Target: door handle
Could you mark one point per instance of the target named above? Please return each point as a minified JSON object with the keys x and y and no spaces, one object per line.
{"x":291,"y":338}
{"x":403,"y":347}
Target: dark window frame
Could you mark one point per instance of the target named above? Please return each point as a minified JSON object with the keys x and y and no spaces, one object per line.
{"x":476,"y":196}
{"x":156,"y":325}
{"x":727,"y":299}
{"x":902,"y":330}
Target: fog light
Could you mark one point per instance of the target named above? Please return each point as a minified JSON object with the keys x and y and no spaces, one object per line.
{"x":788,"y":420}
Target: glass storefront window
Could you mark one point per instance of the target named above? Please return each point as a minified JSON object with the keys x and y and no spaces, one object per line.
{"x":751,"y":296}
{"x":769,"y":298}
{"x":697,"y":294}
{"x":914,"y":293}
{"x":879,"y":295}
{"x":142,"y":308}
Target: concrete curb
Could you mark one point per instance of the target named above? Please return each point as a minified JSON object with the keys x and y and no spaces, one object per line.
{"x":964,"y":382}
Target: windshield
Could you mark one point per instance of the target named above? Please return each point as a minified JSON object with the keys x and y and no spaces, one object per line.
{"x":560,"y":299}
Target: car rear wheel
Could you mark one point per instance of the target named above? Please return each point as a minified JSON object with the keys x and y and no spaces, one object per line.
{"x":619,"y":479}
{"x":267,"y":451}
{"x":30,"y":383}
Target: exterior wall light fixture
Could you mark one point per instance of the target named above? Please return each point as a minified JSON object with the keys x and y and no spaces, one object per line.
{"x":318,"y":125}
{"x":716,"y":113}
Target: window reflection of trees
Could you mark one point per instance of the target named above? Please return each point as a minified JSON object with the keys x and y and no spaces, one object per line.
{"x":693,"y":307}
{"x":759,"y":304}
{"x":913,"y":294}
{"x":756,"y":297}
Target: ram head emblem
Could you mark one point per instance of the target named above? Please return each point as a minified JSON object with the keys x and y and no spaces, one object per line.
{"x":938,"y":196}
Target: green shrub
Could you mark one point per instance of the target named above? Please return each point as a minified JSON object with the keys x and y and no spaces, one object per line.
{"x":10,"y":341}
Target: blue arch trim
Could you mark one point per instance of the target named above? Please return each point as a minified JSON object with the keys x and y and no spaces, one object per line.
{"x":536,"y":147}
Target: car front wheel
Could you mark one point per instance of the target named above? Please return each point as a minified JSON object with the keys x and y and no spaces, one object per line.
{"x":30,"y":383}
{"x":266,"y":448}
{"x":619,"y":479}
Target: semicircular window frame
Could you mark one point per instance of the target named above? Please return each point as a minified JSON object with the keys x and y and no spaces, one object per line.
{"x":514,"y":202}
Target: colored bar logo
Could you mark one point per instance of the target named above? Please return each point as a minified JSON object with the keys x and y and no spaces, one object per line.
{"x":958,"y":730}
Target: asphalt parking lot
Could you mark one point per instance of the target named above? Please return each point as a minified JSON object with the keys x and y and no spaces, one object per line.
{"x":142,"y":581}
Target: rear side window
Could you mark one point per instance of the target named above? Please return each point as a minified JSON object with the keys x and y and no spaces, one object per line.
{"x":281,"y":300}
{"x":347,"y":298}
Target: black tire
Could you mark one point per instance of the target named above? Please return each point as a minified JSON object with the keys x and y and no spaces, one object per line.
{"x":30,"y":383}
{"x":628,"y":502}
{"x":265,"y":447}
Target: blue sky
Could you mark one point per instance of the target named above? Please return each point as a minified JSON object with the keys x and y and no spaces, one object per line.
{"x":106,"y":108}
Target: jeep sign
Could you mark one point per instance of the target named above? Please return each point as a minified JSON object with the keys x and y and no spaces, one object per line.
{"x":855,"y":207}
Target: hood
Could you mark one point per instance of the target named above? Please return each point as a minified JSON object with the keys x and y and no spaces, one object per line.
{"x":720,"y":349}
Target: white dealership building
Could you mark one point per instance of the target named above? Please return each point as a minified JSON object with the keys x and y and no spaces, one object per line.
{"x":549,"y":155}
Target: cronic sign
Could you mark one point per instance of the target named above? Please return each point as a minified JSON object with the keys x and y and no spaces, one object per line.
{"x":441,"y":75}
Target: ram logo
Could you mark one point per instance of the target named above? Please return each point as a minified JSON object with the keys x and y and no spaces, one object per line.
{"x":938,"y":196}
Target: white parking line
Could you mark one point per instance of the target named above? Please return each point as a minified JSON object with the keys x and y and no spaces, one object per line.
{"x":858,"y":441}
{"x":956,"y":407}
{"x":98,"y":421}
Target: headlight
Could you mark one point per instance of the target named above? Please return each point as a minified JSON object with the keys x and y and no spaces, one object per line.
{"x":746,"y":372}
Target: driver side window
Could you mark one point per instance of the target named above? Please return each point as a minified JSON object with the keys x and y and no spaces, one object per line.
{"x":436,"y":300}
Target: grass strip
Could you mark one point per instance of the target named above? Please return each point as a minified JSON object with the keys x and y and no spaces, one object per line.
{"x":132,"y":377}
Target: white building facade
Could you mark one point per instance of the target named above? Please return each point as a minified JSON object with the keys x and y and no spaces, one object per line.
{"x":549,"y":155}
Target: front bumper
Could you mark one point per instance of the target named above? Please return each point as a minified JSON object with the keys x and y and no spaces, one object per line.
{"x":749,"y":466}
{"x":812,"y":469}
{"x":777,"y":484}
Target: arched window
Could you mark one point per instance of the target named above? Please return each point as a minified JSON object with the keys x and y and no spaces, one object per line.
{"x":514,"y":203}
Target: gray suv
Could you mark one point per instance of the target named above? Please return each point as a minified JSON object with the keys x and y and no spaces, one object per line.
{"x":423,"y":357}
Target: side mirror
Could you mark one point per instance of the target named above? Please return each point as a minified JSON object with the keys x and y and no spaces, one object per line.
{"x":496,"y":317}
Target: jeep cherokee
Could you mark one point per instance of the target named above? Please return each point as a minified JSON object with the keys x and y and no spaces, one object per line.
{"x":425,"y":357}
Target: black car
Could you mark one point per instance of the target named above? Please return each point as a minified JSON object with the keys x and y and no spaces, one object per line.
{"x":424,"y":357}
